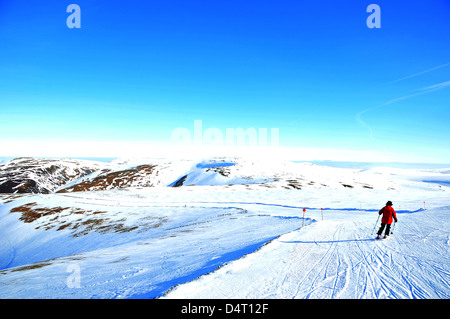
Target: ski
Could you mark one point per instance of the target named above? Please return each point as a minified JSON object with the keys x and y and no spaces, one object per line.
{"x":382,"y":238}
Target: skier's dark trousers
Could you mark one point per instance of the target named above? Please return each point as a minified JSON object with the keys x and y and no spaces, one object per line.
{"x":389,"y":214}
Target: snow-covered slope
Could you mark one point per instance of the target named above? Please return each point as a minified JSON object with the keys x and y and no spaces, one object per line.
{"x":233,"y":228}
{"x":337,"y":258}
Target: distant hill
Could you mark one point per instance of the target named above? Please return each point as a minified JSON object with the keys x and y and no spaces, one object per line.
{"x":33,"y":175}
{"x":43,"y":176}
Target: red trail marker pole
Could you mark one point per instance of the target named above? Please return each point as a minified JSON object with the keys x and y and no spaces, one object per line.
{"x":303,"y":222}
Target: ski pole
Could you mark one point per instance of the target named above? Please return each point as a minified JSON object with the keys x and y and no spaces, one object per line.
{"x":392,"y":231}
{"x":375,"y":225}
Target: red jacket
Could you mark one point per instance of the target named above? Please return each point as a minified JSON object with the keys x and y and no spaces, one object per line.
{"x":388,"y":212}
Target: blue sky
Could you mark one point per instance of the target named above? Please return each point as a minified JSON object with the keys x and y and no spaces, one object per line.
{"x":137,"y":70}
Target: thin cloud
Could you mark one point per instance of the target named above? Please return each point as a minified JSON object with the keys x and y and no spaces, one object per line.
{"x":438,"y":86}
{"x":420,"y":73}
{"x":421,"y":91}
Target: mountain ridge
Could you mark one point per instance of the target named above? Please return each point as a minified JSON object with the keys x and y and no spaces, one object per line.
{"x":41,"y":175}
{"x":44,"y":176}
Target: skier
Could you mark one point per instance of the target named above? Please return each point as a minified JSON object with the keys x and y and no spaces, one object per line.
{"x":388,"y":212}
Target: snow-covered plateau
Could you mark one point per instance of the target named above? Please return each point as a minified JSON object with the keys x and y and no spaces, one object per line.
{"x":220,"y":228}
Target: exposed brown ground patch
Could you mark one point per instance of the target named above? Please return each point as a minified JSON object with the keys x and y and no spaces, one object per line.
{"x":30,"y":214}
{"x":61,"y":218}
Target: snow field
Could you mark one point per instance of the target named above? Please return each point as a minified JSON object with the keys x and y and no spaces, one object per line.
{"x":339,"y":259}
{"x":191,"y":241}
{"x":221,"y":241}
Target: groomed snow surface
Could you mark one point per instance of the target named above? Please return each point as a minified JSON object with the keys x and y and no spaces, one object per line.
{"x":229,"y":242}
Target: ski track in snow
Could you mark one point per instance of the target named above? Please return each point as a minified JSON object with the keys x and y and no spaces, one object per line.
{"x":334,"y":262}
